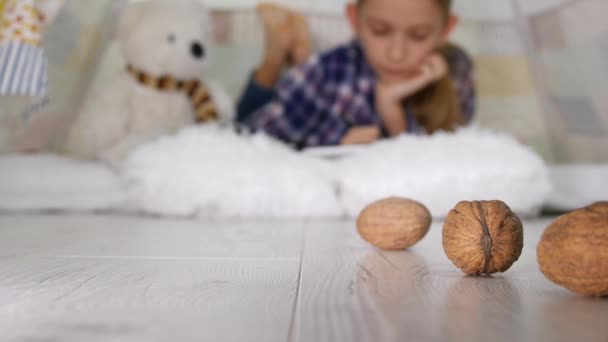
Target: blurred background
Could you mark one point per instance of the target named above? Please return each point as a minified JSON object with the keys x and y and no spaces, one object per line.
{"x":541,"y":67}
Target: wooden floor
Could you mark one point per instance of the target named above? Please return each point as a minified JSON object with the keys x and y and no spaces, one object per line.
{"x":96,"y":278}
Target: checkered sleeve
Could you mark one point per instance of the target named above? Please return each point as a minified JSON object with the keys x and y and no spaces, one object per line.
{"x":298,"y":108}
{"x":461,"y":69}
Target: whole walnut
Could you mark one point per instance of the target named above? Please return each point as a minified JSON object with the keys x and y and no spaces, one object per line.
{"x":573,"y":250}
{"x":482,"y":237}
{"x":394,"y":223}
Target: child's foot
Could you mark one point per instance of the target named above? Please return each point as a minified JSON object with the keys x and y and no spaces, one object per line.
{"x":287,"y":42}
{"x":278,"y":33}
{"x":302,"y":48}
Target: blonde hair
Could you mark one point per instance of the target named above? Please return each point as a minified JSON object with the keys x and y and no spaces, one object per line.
{"x":437,"y":107}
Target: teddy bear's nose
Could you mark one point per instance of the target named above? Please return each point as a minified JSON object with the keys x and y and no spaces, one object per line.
{"x":197,"y":50}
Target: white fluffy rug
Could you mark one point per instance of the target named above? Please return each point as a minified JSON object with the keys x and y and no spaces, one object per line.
{"x":213,"y":173}
{"x":443,"y":169}
{"x":210,"y":172}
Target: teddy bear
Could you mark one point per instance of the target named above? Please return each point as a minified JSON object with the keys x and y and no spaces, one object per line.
{"x":165,"y":45}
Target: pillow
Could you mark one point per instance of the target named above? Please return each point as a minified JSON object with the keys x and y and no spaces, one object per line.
{"x":49,"y":182}
{"x":577,"y":186}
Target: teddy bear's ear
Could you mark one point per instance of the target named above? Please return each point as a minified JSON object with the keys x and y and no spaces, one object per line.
{"x":130,"y":17}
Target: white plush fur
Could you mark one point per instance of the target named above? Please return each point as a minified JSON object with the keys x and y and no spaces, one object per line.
{"x":444,"y":169}
{"x":125,"y":114}
{"x":209,"y":172}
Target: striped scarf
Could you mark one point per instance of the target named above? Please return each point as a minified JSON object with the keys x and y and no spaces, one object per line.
{"x":198,"y":94}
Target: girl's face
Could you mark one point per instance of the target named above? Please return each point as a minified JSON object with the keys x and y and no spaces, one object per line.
{"x":398,"y":35}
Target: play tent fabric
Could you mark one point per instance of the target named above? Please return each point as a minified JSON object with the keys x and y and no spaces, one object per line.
{"x":72,"y":45}
{"x":540,"y":65}
{"x":568,"y":45}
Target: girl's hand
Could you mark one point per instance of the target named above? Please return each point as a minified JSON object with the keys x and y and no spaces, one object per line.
{"x":389,"y":97}
{"x":433,"y":69}
{"x":361,"y":135}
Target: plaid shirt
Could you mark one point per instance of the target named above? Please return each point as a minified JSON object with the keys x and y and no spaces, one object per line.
{"x":316,"y":103}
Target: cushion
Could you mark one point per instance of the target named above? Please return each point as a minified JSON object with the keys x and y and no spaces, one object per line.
{"x":50,"y":182}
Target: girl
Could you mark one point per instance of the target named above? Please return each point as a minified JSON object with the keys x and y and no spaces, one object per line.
{"x":399,"y":75}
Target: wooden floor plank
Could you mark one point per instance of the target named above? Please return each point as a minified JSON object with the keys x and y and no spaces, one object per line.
{"x":71,"y":299}
{"x":350,"y":291}
{"x":102,"y":278}
{"x":125,"y":236}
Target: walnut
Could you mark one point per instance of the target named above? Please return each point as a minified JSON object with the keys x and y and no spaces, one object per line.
{"x":482,"y":237}
{"x":573,"y":250}
{"x":394,"y":223}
